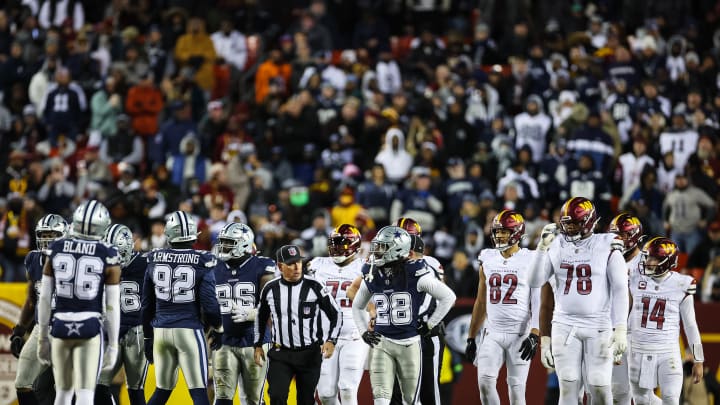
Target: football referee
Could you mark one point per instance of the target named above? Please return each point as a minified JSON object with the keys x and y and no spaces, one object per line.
{"x":295,"y":302}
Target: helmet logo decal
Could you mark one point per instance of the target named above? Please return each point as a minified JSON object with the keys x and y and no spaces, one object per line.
{"x":586,"y":205}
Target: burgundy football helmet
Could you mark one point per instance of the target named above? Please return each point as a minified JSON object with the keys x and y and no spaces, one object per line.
{"x":577,"y":218}
{"x":509,"y":221}
{"x":410,"y":225}
{"x":665,"y":254}
{"x":343,"y":242}
{"x":628,"y":228}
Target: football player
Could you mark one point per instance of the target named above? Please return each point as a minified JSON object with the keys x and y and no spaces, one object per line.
{"x":239,"y":279}
{"x":507,"y":308}
{"x":84,"y":273}
{"x":397,"y":286}
{"x":590,"y":276}
{"x":431,"y":346}
{"x":132,"y":356}
{"x":628,"y":228}
{"x":343,"y":371}
{"x":50,"y":228}
{"x":661,"y":299}
{"x":179,"y":285}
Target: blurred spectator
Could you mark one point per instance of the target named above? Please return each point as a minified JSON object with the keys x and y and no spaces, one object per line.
{"x":230,"y":44}
{"x":14,"y":180}
{"x":315,"y":237}
{"x":57,"y":192}
{"x":40,"y":82}
{"x":461,"y":276}
{"x":173,"y":132}
{"x":646,"y":200}
{"x":554,"y":171}
{"x":532,"y":127}
{"x":187,"y":166}
{"x":686,"y":210}
{"x":376,"y":195}
{"x":708,"y":249}
{"x":419,"y":201}
{"x":124,"y":146}
{"x":216,"y":190}
{"x":272,"y":76}
{"x":143,"y":103}
{"x":60,"y":12}
{"x":64,"y":103}
{"x":393,"y":156}
{"x":631,"y":164}
{"x":105,"y":104}
{"x":15,"y":229}
{"x":93,"y":173}
{"x":679,"y":139}
{"x":317,"y":36}
{"x":195,"y":49}
{"x":586,"y":181}
{"x":212,"y":126}
{"x":346,"y":209}
{"x":518,"y":175}
{"x":159,"y":62}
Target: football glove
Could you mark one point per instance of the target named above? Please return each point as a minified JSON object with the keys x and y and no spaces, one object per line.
{"x":372,"y":338}
{"x":618,"y":342}
{"x":471,"y":349}
{"x":149,"y":350}
{"x":547,"y":236}
{"x":529,"y":347}
{"x":243,"y":313}
{"x":215,"y":340}
{"x":546,"y":352}
{"x":424,"y":329}
{"x":17,"y":340}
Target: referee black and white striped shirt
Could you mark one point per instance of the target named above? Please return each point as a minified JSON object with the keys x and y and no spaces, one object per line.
{"x":295,"y":309}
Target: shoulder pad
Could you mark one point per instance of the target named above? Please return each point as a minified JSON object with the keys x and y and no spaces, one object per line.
{"x":211,"y":263}
{"x":113,"y":260}
{"x":417,"y":267}
{"x":107,"y":245}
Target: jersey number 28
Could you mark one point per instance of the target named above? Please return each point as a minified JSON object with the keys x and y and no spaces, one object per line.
{"x":396,"y":310}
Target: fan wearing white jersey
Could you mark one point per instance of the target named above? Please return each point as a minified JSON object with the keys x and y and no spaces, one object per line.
{"x":344,"y":369}
{"x":508,"y":309}
{"x":590,"y":276}
{"x":628,"y":228}
{"x":661,"y":299}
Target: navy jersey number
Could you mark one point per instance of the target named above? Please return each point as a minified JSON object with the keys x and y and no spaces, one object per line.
{"x":174,"y":284}
{"x":79,"y":278}
{"x":396,"y":310}
{"x":243,"y":294}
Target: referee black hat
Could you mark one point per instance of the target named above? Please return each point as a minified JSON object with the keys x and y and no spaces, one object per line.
{"x":289,"y":254}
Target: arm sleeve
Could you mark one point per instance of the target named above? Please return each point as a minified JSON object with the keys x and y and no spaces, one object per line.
{"x":112,"y":313}
{"x":262,"y":317}
{"x":148,"y":304}
{"x":444,"y":296}
{"x":208,"y":300}
{"x":618,"y":278}
{"x":535,"y":308}
{"x":331,"y":309}
{"x":692,"y":332}
{"x":46,"y":290}
{"x":362,"y":297}
{"x":540,"y":269}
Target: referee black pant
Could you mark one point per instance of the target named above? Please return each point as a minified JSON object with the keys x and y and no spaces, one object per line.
{"x":284,"y":364}
{"x":432,"y":352}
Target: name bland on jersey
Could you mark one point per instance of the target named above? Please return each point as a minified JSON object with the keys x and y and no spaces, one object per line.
{"x":168,"y":257}
{"x":79,"y":247}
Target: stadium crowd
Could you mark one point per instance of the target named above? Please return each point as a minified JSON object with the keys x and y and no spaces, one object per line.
{"x":295,"y":119}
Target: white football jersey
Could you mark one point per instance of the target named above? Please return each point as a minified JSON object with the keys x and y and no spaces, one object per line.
{"x":507,"y":290}
{"x":655,"y":314}
{"x":683,"y":144}
{"x":633,"y":271}
{"x":582,"y":293}
{"x":337,"y":280}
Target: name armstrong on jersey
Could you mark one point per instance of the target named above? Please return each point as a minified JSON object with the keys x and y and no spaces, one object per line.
{"x":169,"y":257}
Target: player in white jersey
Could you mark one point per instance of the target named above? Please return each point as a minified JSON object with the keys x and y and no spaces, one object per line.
{"x":661,"y":299}
{"x":344,"y":369}
{"x":508,"y":309}
{"x":590,"y":277}
{"x":628,"y":228}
